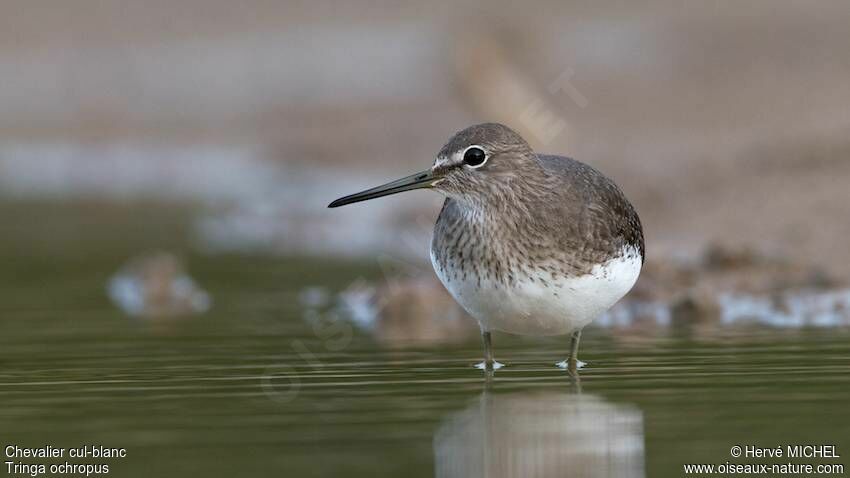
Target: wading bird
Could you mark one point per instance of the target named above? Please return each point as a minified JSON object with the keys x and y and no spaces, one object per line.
{"x":527,"y":243}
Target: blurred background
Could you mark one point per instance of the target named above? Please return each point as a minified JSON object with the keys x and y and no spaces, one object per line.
{"x":167,"y":159}
{"x":721,"y":122}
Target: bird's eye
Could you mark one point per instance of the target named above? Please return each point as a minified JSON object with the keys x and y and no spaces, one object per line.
{"x":474,"y":157}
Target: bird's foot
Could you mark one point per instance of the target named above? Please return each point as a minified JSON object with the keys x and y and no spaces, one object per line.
{"x":565,"y":364}
{"x":494,"y":366}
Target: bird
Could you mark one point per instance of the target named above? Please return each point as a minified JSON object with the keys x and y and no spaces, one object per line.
{"x":527,"y":243}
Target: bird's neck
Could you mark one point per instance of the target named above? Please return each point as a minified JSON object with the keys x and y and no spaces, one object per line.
{"x":514,"y":194}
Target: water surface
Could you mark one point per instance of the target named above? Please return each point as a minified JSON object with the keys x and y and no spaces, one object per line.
{"x":253,"y":388}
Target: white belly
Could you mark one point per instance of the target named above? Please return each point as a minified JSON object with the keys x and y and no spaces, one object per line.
{"x":529,"y":308}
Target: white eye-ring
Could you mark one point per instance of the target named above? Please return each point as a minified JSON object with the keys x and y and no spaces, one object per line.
{"x":474,"y":156}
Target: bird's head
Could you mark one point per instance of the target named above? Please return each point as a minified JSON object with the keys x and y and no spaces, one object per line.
{"x":476,"y":162}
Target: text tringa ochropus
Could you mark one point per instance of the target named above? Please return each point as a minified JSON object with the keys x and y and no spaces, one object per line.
{"x":527,"y":243}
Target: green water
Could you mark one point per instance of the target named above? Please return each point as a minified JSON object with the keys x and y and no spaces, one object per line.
{"x":252,"y":389}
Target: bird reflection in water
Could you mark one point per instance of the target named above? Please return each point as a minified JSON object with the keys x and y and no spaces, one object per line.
{"x":541,"y":434}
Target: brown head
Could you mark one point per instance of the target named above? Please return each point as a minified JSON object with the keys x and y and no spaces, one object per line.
{"x":476,"y":162}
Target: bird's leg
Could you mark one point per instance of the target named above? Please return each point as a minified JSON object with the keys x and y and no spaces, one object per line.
{"x":573,"y":360}
{"x":488,"y":363}
{"x":572,"y":364}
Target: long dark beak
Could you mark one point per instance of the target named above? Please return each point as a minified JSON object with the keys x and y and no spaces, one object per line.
{"x":424,"y":179}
